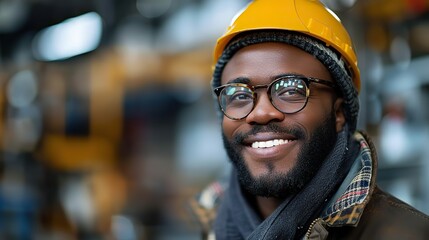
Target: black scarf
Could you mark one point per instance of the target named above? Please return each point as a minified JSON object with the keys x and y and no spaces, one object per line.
{"x":238,"y":220}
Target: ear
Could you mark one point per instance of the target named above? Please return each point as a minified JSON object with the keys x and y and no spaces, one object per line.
{"x":340,"y":118}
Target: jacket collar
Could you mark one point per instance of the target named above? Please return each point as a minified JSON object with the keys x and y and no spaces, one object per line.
{"x":348,"y":204}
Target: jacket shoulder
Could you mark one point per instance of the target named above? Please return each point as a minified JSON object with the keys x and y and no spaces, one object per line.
{"x":386,"y":202}
{"x":387,"y":217}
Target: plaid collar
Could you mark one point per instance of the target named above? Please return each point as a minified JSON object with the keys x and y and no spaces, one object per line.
{"x":348,"y":208}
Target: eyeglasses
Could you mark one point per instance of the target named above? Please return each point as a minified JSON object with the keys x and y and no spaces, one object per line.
{"x":288,"y":94}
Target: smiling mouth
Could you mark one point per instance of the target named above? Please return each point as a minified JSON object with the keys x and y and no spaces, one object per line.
{"x":270,"y":143}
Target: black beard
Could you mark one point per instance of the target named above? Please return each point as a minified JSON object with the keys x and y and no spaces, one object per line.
{"x":279,"y":185}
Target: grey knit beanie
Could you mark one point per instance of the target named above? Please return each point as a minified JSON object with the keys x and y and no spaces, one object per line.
{"x":329,"y":57}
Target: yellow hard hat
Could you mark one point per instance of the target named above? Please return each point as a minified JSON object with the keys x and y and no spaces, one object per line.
{"x":309,"y":17}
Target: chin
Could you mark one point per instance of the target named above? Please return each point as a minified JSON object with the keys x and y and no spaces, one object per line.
{"x":273,"y":179}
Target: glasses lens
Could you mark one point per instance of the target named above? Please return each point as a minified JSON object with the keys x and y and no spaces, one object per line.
{"x":289,"y":95}
{"x":236,"y":101}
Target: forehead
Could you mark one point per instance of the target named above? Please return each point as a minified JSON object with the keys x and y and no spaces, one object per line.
{"x":262,"y":62}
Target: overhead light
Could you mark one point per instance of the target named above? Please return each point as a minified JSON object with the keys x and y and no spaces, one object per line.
{"x":69,"y":38}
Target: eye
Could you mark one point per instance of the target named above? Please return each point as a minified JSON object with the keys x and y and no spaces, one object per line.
{"x":240,"y":96}
{"x":290,"y":90}
{"x":236,"y":97}
{"x":234,"y":93}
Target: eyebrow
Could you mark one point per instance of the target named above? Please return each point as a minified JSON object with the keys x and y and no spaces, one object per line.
{"x":244,"y":80}
{"x":287,"y":75}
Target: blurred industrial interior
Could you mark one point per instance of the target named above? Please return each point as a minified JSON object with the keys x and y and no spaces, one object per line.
{"x":108,"y":125}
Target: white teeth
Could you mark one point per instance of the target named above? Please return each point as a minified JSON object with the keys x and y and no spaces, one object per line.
{"x":269,"y":143}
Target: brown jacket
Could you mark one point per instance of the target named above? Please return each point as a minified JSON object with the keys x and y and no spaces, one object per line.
{"x":379,"y":216}
{"x":384,"y":217}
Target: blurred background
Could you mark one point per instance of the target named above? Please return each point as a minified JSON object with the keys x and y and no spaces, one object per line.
{"x":108,"y":126}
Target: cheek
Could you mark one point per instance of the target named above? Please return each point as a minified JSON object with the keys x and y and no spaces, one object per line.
{"x":229,"y":127}
{"x":314,"y":113}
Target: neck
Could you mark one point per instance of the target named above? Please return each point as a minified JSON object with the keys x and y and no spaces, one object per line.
{"x":266,"y":206}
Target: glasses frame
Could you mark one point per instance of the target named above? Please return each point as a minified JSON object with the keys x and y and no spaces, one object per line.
{"x":253,"y":88}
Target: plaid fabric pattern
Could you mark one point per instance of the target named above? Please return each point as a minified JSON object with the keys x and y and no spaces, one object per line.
{"x":348,"y":208}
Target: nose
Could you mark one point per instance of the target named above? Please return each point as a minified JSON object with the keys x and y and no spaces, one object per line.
{"x":264,"y":111}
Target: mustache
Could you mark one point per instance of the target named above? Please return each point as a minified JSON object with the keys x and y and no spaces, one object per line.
{"x":295,"y":131}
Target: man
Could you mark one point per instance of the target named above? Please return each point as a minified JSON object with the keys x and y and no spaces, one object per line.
{"x":287,"y":81}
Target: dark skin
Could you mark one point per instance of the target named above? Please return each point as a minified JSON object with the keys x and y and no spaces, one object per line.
{"x":261,"y":63}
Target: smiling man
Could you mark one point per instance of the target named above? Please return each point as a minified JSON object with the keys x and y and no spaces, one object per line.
{"x":286,"y":80}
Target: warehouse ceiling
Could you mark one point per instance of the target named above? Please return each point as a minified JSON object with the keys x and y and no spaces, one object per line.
{"x":20,"y":20}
